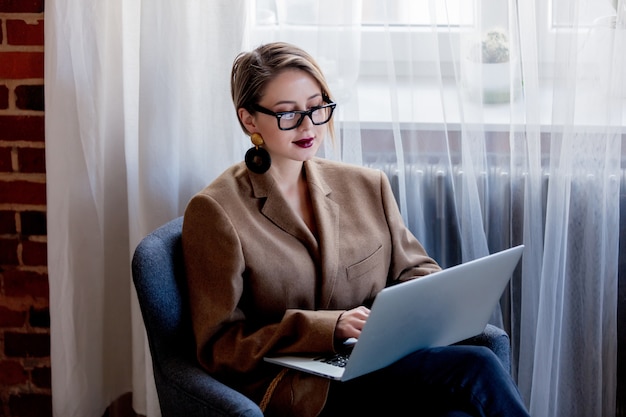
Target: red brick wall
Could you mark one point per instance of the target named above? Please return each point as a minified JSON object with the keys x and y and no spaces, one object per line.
{"x":24,"y":302}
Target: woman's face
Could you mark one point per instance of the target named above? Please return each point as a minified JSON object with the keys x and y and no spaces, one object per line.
{"x":292,"y":89}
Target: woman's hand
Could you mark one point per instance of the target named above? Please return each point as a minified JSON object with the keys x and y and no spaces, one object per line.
{"x":351,"y":323}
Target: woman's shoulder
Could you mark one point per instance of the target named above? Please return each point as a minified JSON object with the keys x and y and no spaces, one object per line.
{"x":234,"y":174}
{"x":346,"y":177}
{"x":336,"y":168}
{"x":223,"y":196}
{"x":231,"y":182}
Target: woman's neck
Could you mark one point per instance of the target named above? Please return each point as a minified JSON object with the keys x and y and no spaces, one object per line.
{"x":291,"y":181}
{"x":288,"y":175}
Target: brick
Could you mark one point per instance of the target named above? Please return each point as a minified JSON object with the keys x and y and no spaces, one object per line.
{"x":22,"y":128}
{"x":33,"y":223}
{"x":34,"y":253}
{"x":5,"y":160}
{"x":39,"y":318}
{"x":22,"y":192}
{"x":31,"y":160}
{"x":12,"y":318}
{"x":19,"y":283}
{"x":7,"y":223}
{"x":42,"y":377}
{"x":4,"y":90}
{"x":26,"y":345}
{"x":21,"y":6}
{"x":12,"y":373}
{"x":20,"y":32}
{"x":30,"y":405}
{"x":18,"y":65}
{"x":8,"y":251}
{"x":30,"y":97}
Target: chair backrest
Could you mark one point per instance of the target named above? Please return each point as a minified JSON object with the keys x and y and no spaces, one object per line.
{"x":159,"y":278}
{"x":184,"y":389}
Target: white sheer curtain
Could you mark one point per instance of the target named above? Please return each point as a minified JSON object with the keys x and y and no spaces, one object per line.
{"x":139,"y":118}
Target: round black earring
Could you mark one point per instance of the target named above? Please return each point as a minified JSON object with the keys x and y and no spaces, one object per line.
{"x":257,"y":159}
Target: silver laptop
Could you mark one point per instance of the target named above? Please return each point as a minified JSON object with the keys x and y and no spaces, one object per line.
{"x":436,"y":310}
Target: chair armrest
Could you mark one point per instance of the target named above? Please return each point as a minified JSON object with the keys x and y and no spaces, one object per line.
{"x":186,"y":390}
{"x":495,"y":339}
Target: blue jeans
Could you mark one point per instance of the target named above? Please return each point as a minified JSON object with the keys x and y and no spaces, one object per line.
{"x":444,"y":381}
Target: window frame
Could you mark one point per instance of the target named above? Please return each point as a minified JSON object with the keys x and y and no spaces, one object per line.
{"x":431,"y":61}
{"x":425,"y":59}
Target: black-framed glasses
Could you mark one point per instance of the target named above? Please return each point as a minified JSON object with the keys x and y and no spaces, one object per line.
{"x":288,"y":120}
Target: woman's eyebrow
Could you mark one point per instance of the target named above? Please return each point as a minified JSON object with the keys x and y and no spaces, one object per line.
{"x":294,"y":102}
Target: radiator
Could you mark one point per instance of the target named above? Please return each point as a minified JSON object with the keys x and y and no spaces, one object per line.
{"x":431,"y":213}
{"x":431,"y":216}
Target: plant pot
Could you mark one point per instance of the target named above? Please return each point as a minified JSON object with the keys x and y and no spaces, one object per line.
{"x":487,"y":82}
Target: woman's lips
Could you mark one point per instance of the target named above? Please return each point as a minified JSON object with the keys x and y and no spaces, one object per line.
{"x":304,"y":143}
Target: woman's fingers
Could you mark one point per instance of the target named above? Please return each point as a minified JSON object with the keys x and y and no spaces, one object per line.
{"x":351,"y":322}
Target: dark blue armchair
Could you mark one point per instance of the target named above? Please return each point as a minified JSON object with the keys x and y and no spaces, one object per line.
{"x":185,"y":389}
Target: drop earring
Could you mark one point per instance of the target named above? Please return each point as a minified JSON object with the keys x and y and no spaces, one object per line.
{"x":257,"y":159}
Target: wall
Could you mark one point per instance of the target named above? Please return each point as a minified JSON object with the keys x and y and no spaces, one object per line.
{"x":24,"y":313}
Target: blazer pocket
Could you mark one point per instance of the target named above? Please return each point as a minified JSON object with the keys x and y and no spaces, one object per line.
{"x":375,"y":260}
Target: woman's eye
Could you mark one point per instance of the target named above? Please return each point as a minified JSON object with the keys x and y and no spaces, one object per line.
{"x":288,"y":116}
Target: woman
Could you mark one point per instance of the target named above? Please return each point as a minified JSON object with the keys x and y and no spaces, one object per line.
{"x":285,"y":253}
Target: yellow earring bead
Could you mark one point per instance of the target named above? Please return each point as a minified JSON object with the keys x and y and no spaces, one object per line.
{"x":257,"y":139}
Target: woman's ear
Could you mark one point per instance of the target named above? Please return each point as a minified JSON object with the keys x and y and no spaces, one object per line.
{"x":246,"y":119}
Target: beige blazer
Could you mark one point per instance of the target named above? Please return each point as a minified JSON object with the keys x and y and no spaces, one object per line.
{"x":260,"y":282}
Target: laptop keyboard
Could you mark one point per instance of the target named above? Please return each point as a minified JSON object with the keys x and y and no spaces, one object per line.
{"x":336,"y":359}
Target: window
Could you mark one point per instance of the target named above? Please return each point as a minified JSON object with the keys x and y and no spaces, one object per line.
{"x":565,"y":15}
{"x":417,"y":13}
{"x":377,"y":27}
{"x":394,"y":24}
{"x":357,"y":42}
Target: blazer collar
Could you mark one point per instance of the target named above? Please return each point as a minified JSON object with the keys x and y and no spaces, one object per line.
{"x":275,"y":208}
{"x":262,"y":184}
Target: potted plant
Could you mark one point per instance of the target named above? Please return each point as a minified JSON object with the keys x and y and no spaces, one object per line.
{"x":494,"y":48}
{"x":487,"y":71}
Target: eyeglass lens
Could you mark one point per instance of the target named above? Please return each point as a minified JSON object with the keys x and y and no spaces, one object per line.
{"x":318,"y":116}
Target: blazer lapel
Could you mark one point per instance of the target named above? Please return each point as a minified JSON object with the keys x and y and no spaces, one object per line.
{"x":327,"y":218}
{"x":277,"y":210}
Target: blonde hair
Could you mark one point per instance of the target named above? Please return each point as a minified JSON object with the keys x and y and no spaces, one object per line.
{"x":253,"y":70}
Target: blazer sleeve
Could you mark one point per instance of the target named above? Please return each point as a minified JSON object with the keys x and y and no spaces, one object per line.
{"x":226,"y":339}
{"x":409,"y":258}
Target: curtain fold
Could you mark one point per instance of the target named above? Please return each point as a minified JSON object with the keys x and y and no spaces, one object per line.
{"x":88,"y":238}
{"x":139,"y":117}
{"x":187,"y":132}
{"x":129,"y":140}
